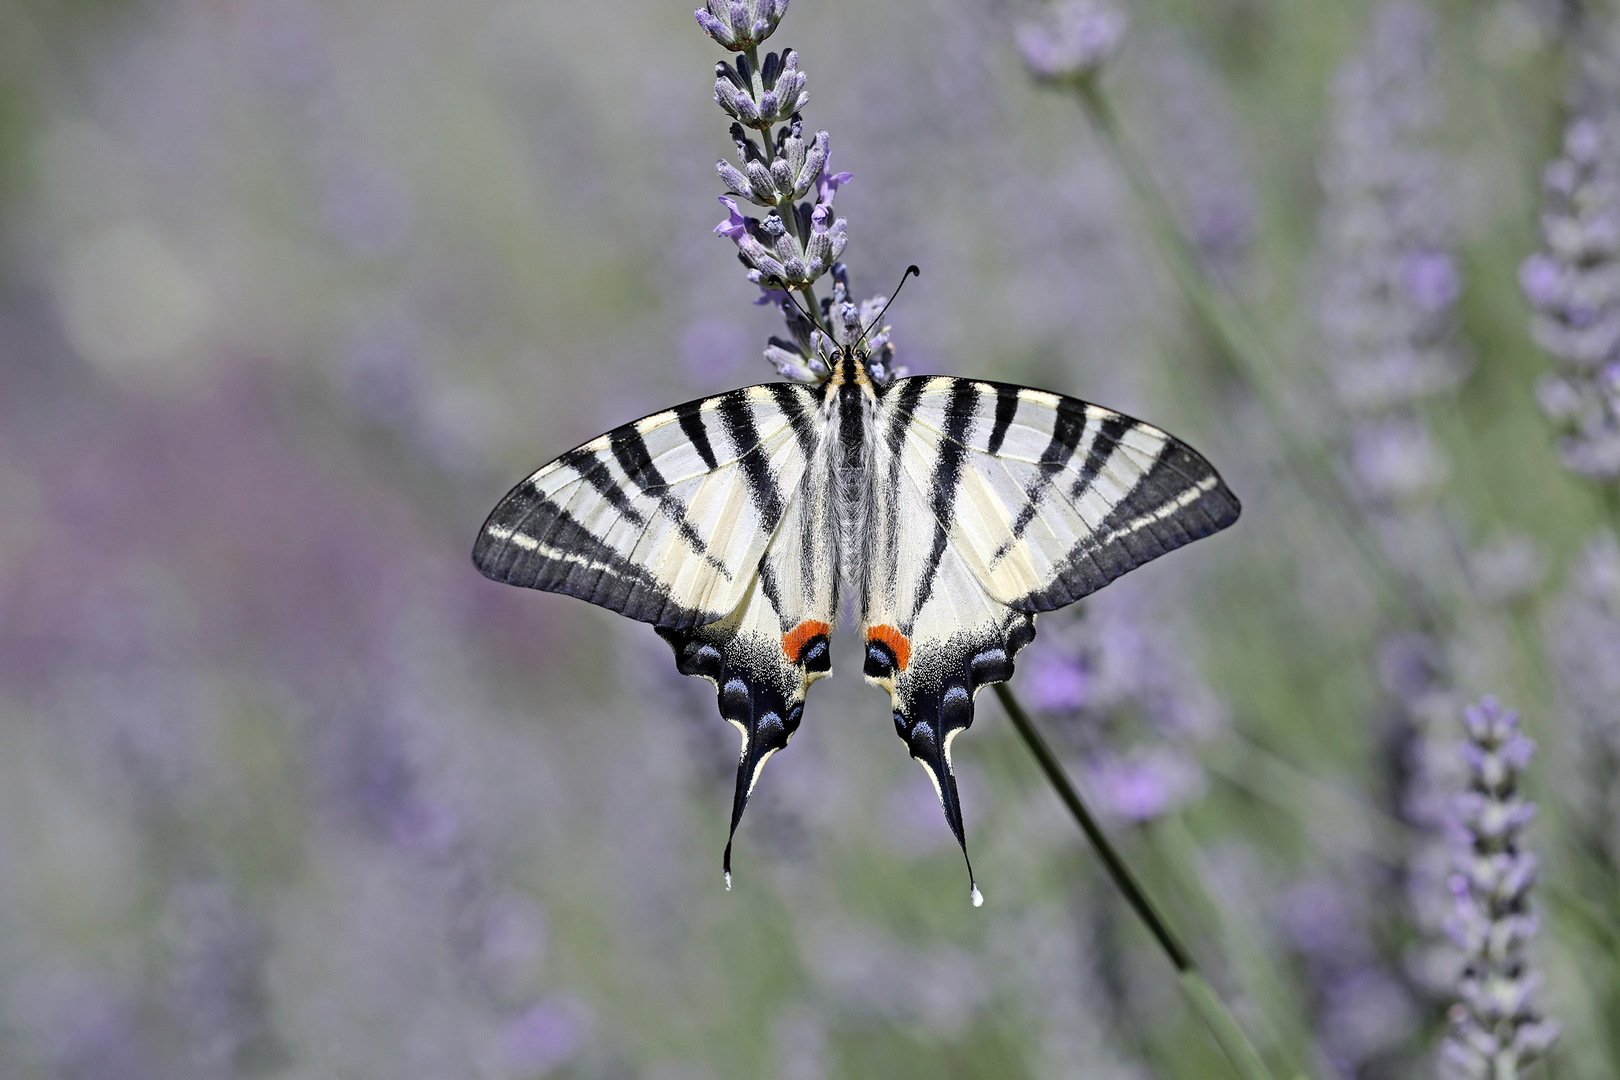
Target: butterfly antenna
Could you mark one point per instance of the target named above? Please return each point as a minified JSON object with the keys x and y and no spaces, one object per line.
{"x":802,"y":309}
{"x":911,"y":271}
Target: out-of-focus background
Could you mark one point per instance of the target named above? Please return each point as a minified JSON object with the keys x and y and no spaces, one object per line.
{"x":291,"y":291}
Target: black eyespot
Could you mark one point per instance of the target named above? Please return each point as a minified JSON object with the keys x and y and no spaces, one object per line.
{"x":735,"y":703}
{"x":879,"y":660}
{"x":816,"y":656}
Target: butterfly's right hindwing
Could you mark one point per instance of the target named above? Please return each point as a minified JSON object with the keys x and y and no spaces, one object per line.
{"x":995,"y":503}
{"x":664,"y":519}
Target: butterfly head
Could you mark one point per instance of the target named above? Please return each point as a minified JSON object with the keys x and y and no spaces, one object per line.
{"x":846,"y":344}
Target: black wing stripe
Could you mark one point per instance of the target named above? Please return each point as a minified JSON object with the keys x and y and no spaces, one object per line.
{"x":690,"y":416}
{"x":593,"y":570}
{"x":1071,"y":423}
{"x":1180,"y":499}
{"x":630,"y":450}
{"x":947,"y":475}
{"x":1108,"y":437}
{"x":739,"y":424}
{"x":910,"y":392}
{"x":790,"y":399}
{"x":768,"y":585}
{"x":594,"y":471}
{"x":1006,"y":409}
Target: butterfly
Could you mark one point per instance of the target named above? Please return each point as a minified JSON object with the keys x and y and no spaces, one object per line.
{"x":948,"y":512}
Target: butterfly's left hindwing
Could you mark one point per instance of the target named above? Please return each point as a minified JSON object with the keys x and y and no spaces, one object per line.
{"x":764,"y":655}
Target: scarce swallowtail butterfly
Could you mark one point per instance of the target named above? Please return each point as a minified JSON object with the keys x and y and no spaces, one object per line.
{"x":949,"y":512}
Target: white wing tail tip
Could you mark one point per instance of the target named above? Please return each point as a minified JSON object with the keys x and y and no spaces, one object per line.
{"x":978,"y":897}
{"x":728,"y":881}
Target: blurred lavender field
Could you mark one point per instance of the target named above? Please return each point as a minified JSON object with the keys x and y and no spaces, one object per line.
{"x":291,"y":292}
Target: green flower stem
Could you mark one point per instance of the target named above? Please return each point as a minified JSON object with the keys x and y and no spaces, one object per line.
{"x":1239,"y":1050}
{"x":1244,"y":353}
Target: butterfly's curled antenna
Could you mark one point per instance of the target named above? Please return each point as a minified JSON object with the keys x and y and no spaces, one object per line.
{"x":911,"y":271}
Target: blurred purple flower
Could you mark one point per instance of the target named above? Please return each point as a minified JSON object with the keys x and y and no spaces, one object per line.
{"x":1071,"y":40}
{"x":217,"y":953}
{"x":1431,"y":280}
{"x":1573,"y":284}
{"x":1054,"y":682}
{"x":1364,"y":1013}
{"x":1146,"y":783}
{"x":282,"y":43}
{"x":1390,"y":280}
{"x":545,"y":1037}
{"x":381,"y":372}
{"x":1495,"y":1029}
{"x":87,"y":1029}
{"x":1583,"y":637}
{"x":1127,"y":698}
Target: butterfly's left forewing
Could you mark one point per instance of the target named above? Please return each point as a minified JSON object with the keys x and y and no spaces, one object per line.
{"x":708,"y":521}
{"x":994,"y":503}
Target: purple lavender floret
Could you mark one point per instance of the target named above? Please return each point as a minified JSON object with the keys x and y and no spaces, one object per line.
{"x":762,"y":96}
{"x":1573,"y":283}
{"x":793,"y":244}
{"x":1072,"y":41}
{"x":1386,"y":236}
{"x":1495,"y":1028}
{"x":740,"y":24}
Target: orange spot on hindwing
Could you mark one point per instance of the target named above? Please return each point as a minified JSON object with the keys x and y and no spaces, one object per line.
{"x":800,"y":645}
{"x":891,"y":640}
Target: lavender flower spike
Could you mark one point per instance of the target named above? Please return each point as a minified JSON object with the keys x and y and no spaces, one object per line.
{"x":1573,"y":283}
{"x":1072,"y":41}
{"x":740,"y":24}
{"x":1495,"y":1030}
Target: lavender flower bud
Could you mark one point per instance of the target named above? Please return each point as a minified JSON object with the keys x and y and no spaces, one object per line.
{"x":794,"y":361}
{"x":1073,"y":41}
{"x":738,"y":25}
{"x":810,"y":171}
{"x":759,"y":98}
{"x":736,"y":183}
{"x":1573,"y":284}
{"x":747,"y":149}
{"x":1495,"y":1030}
{"x":759,"y":178}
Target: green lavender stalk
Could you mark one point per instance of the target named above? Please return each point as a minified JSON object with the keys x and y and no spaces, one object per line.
{"x":1201,"y":995}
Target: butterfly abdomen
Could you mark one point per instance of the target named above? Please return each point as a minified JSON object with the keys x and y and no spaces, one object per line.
{"x":851,"y":462}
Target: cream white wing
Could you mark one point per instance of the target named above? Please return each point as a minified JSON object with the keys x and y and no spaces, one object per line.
{"x":764,"y":655}
{"x":664,"y":519}
{"x":994,"y":503}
